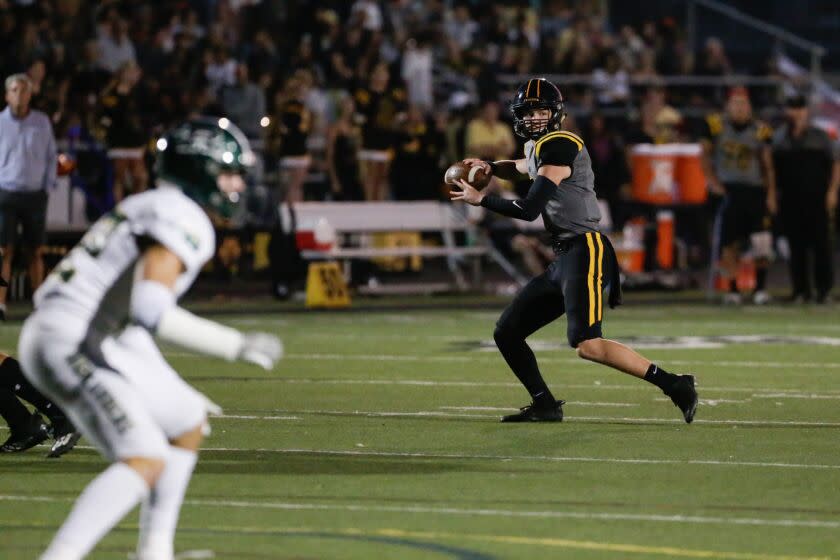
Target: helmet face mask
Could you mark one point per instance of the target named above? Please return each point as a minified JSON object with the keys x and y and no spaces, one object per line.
{"x":533,"y":95}
{"x":535,"y":122}
{"x":207,"y":159}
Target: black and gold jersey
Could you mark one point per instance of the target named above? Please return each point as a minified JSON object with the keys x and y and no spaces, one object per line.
{"x":573,"y":208}
{"x":379,"y":112}
{"x":294,"y":126}
{"x":736,"y":149}
{"x":121,"y":119}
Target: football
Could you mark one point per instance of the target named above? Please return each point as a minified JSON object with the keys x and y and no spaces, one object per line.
{"x":475,"y":175}
{"x":66,"y":165}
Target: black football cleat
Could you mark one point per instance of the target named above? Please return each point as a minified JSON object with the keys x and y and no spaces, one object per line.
{"x":684,"y":396}
{"x":21,"y":440}
{"x":66,"y":437}
{"x":63,"y":444}
{"x":536,"y":413}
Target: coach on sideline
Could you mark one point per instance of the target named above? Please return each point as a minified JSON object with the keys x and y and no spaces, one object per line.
{"x":27,"y":170}
{"x":807,"y":166}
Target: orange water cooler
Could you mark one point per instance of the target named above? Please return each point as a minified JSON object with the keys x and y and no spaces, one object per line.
{"x":668,"y":174}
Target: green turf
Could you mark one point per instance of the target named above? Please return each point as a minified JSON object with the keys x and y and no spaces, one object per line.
{"x":377,"y":438}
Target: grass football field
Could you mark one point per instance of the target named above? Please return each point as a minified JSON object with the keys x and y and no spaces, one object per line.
{"x":378,"y":437}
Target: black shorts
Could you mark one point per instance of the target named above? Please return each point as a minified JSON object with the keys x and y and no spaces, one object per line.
{"x":743,"y":212}
{"x":573,"y":285}
{"x":27,"y":210}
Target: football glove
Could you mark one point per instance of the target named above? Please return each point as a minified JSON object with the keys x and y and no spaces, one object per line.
{"x":262,"y":349}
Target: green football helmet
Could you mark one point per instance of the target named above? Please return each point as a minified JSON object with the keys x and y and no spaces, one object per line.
{"x":199,"y":156}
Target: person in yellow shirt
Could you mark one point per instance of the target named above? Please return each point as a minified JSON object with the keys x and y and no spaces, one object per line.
{"x":487,"y":137}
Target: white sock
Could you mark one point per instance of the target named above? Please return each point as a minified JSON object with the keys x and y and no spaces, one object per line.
{"x":159,"y":514}
{"x":106,"y":500}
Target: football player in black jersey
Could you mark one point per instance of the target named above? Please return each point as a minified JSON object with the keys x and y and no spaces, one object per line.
{"x":563,"y":193}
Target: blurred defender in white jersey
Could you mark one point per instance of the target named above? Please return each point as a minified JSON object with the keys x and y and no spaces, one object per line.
{"x":89,"y":344}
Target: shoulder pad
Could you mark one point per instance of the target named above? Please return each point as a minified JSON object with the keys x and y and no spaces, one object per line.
{"x":561,"y":136}
{"x":763,"y":132}
{"x":362,"y":96}
{"x":715,"y":123}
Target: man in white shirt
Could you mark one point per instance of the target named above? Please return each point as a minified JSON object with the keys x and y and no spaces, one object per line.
{"x":28,"y":169}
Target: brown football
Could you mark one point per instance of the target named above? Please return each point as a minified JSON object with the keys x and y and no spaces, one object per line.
{"x":65,"y":164}
{"x":475,"y":176}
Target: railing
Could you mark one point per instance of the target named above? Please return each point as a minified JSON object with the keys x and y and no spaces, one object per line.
{"x":781,"y":35}
{"x":512,"y":80}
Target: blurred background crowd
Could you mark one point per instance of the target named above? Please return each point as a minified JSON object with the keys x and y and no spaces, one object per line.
{"x":343,"y":96}
{"x":373,"y":99}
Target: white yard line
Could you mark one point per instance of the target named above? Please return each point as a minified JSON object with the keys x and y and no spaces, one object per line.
{"x":574,"y":418}
{"x":484,"y":512}
{"x":507,"y":458}
{"x":507,"y":409}
{"x":246,"y":417}
{"x":473,"y":356}
{"x":755,"y":392}
{"x":793,"y":364}
{"x":783,"y":395}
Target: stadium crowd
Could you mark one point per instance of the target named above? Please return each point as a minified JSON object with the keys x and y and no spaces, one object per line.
{"x":362,"y":99}
{"x":372,"y":88}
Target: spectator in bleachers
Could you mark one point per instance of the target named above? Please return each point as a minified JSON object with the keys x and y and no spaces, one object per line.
{"x":304,"y":58}
{"x":460,"y":26}
{"x":611,"y":83}
{"x":188,"y":23}
{"x":29,"y":44}
{"x":609,"y":165}
{"x":8,"y":38}
{"x":244,"y":103}
{"x":115,"y":46}
{"x":28,"y":166}
{"x":343,"y":140}
{"x":629,"y":47}
{"x":125,"y":133}
{"x":713,"y":61}
{"x":419,"y":145}
{"x":417,"y":73}
{"x":487,"y":137}
{"x":287,"y":137}
{"x":381,"y":109}
{"x":646,"y":68}
{"x":37,"y":71}
{"x":646,"y":130}
{"x":318,"y":101}
{"x":87,"y":81}
{"x":219,"y":68}
{"x":670,"y":55}
{"x":263,"y":59}
{"x":346,"y":57}
{"x":369,"y":14}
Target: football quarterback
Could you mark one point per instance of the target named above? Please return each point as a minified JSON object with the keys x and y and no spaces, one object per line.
{"x":563,"y":193}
